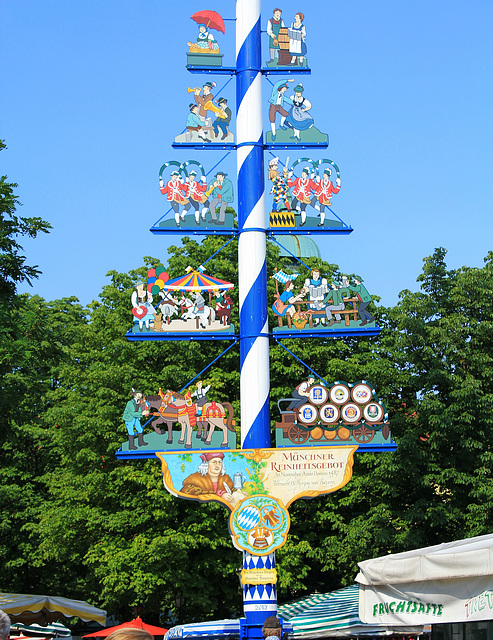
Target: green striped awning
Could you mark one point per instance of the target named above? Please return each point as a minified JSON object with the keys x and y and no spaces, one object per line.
{"x":323,"y":611}
{"x":288,"y":611}
{"x":332,"y":615}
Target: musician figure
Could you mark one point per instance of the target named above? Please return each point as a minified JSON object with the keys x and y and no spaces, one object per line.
{"x":222,"y":195}
{"x":223,"y":119}
{"x":203,"y":100}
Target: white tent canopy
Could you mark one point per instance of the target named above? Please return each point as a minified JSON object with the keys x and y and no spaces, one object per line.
{"x":451,"y":582}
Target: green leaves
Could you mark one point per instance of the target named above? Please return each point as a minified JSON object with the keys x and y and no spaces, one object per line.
{"x":79,"y":522}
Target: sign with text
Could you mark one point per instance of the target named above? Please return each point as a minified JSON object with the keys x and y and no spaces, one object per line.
{"x":233,"y":476}
{"x":258,"y":485}
{"x":427,"y":602}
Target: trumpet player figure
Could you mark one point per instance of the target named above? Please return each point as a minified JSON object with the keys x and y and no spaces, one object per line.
{"x":204,"y":101}
{"x":223,"y":119}
{"x":222,"y":192}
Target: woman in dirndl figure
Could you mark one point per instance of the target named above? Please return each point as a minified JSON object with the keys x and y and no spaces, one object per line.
{"x":297,"y":36}
{"x":298,"y":116}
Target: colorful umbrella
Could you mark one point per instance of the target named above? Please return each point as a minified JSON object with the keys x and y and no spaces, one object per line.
{"x":335,"y":615}
{"x":196,"y":281}
{"x":211,"y":19}
{"x":34,"y":631}
{"x":225,"y":629}
{"x":43,"y":609}
{"x":133,"y":624}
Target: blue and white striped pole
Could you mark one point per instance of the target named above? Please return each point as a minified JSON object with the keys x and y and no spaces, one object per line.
{"x":259,"y":601}
{"x":254,"y":341}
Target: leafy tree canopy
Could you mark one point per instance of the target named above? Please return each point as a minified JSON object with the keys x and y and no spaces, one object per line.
{"x":89,"y":526}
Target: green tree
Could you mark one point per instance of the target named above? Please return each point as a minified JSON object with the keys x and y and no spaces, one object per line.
{"x":13,"y":267}
{"x":109,"y":532}
{"x":433,"y":369}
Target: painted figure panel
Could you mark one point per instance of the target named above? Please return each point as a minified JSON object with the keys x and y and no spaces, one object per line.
{"x":317,"y":414}
{"x":304,"y":302}
{"x":290,"y":116}
{"x":287,"y":40}
{"x":174,"y":421}
{"x":193,"y":303}
{"x":302,"y":193}
{"x":193,"y":200}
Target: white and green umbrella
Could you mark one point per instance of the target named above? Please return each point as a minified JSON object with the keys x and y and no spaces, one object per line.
{"x":56,"y":629}
{"x":334,"y":615}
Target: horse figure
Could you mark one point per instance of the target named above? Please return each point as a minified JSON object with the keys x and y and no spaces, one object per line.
{"x":203,"y":315}
{"x":213,"y":415}
{"x":172,"y":407}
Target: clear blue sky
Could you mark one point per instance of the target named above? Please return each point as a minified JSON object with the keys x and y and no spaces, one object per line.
{"x":95,"y":91}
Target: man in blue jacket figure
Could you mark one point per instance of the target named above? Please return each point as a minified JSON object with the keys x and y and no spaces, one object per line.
{"x":221,"y":191}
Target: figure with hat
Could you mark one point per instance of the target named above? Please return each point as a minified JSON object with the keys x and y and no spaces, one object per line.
{"x":302,"y":189}
{"x":194,"y":123}
{"x":222,"y":121}
{"x":142,"y":308}
{"x":323,"y":193}
{"x":221,"y":191}
{"x":278,"y":103}
{"x":175,"y":193}
{"x":364,"y":297}
{"x":195,"y":192}
{"x":132,"y":414}
{"x":297,"y":37}
{"x":298,"y":118}
{"x":280,"y":189}
{"x":211,"y":480}
{"x":336,"y":295}
{"x":204,"y":101}
{"x":273,"y":25}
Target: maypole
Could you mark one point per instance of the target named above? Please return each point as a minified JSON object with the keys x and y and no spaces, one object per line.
{"x":254,"y":331}
{"x":322,"y":424}
{"x":259,"y":601}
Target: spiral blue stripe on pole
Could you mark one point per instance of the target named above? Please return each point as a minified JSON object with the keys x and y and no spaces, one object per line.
{"x":254,"y":345}
{"x":259,"y":601}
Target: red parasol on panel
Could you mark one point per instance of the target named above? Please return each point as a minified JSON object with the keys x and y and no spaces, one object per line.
{"x":211,"y":19}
